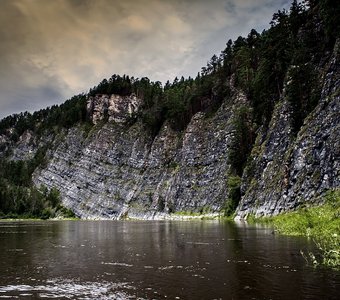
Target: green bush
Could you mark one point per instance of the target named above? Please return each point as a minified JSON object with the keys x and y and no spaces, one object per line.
{"x":66,"y":212}
{"x":234,"y":185}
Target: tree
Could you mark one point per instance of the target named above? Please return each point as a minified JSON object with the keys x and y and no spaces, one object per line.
{"x":242,"y":141}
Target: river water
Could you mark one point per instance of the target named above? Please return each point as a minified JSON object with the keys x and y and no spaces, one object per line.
{"x":156,"y":260}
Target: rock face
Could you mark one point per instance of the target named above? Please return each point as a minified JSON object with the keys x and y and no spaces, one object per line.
{"x":120,"y":170}
{"x":113,"y":107}
{"x":26,"y":147}
{"x":286,"y":172}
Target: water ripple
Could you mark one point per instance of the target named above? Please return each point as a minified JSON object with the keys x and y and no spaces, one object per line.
{"x":120,"y":264}
{"x":58,"y":288}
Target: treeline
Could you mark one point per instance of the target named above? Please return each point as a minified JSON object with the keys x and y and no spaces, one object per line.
{"x":294,"y":44}
{"x":55,"y":117}
{"x":176,"y":101}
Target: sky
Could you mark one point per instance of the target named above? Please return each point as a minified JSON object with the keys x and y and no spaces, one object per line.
{"x":51,"y":50}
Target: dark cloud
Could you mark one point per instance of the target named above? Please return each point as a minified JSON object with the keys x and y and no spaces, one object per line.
{"x":53,"y":49}
{"x":30,"y":100}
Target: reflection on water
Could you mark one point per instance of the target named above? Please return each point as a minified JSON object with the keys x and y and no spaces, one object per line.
{"x":155,"y":260}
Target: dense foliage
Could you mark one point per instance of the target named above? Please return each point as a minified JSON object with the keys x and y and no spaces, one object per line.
{"x":282,"y":61}
{"x":18,"y":196}
{"x":41,"y":122}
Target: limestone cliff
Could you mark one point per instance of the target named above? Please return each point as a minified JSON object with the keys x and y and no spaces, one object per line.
{"x":120,"y":170}
{"x":285,"y":172}
{"x":113,"y":108}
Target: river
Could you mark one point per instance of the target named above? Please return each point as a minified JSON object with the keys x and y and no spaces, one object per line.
{"x":156,"y":260}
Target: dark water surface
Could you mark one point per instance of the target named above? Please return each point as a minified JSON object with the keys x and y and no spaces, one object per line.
{"x":156,"y":260}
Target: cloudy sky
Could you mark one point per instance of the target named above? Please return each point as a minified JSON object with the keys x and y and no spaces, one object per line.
{"x":53,"y":49}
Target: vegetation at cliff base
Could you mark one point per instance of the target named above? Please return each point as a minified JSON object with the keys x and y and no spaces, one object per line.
{"x":320,"y":223}
{"x":19,"y":202}
{"x":19,"y":198}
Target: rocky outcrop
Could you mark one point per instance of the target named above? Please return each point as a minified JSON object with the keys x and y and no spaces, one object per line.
{"x":26,"y":147}
{"x":4,"y":145}
{"x":113,"y":107}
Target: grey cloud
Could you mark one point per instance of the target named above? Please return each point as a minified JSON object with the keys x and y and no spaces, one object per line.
{"x":30,"y":100}
{"x":52,"y":49}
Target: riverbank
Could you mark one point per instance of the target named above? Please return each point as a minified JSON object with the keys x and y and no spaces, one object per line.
{"x":145,"y":216}
{"x":178,"y":216}
{"x":321,"y":224}
{"x":22,"y":219}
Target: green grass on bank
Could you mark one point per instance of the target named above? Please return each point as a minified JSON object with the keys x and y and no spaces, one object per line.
{"x":321,"y":224}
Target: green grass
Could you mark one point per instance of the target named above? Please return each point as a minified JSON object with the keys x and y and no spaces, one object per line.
{"x":186,"y":213}
{"x":206,"y":209}
{"x":321,"y":224}
{"x":203,"y":214}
